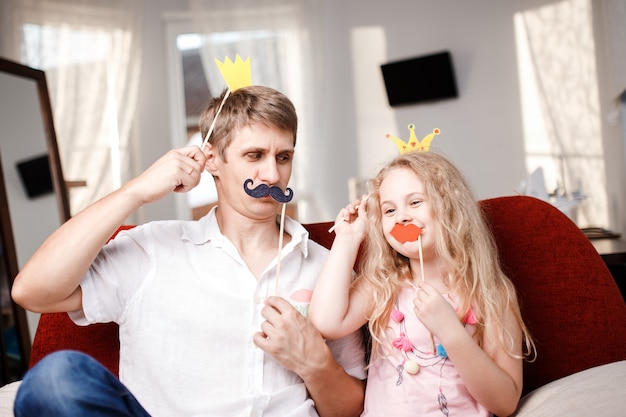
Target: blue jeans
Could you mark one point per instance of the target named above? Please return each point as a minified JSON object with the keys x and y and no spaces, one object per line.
{"x":69,"y":383}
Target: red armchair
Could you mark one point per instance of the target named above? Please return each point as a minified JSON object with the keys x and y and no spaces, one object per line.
{"x":568,"y":297}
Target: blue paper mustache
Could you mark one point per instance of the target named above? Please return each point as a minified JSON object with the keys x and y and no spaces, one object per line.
{"x":263,"y":190}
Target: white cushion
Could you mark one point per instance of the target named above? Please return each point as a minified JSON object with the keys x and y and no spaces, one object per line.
{"x":597,"y":391}
{"x":7,"y":397}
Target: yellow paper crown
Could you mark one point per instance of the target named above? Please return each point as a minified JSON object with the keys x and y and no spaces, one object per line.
{"x":413,"y":144}
{"x":236,"y":74}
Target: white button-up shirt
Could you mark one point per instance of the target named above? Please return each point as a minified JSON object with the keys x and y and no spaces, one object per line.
{"x":188,"y":306}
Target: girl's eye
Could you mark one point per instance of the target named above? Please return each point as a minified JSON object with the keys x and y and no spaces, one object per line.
{"x":416,"y":202}
{"x":388,"y":211}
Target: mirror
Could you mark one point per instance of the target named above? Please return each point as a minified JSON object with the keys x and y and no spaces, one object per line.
{"x":33,"y":197}
{"x":14,"y":340}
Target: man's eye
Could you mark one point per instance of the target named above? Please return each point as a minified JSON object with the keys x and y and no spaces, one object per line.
{"x":255,"y":155}
{"x":283,"y":158}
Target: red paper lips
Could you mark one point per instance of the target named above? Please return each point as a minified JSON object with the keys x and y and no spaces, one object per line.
{"x":406,"y":233}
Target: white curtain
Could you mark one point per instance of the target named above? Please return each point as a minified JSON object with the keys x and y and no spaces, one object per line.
{"x":564,"y":137}
{"x":91,"y":53}
{"x":613,"y":21}
{"x":281,"y":39}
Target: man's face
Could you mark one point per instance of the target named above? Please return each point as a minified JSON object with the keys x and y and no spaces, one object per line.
{"x":259,"y":153}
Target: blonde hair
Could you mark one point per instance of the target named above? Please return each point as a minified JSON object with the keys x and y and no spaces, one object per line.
{"x":465,"y":248}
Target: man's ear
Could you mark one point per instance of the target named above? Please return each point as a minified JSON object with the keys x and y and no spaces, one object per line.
{"x":212,"y":158}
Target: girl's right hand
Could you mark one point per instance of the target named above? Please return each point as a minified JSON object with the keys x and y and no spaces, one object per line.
{"x":352,"y":219}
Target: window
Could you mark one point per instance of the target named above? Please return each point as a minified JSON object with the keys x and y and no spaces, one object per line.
{"x":560,"y":104}
{"x":92,"y":62}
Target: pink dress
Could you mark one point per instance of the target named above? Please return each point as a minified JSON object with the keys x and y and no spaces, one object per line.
{"x":436,"y":390}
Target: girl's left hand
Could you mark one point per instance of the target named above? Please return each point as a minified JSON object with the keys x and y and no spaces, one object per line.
{"x":432,"y":309}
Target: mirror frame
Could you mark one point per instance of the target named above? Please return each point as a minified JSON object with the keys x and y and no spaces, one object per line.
{"x":59,"y":186}
{"x":9,"y":254}
{"x":39,"y":77}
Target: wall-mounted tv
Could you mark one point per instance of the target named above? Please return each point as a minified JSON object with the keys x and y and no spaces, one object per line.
{"x":420,"y":79}
{"x":35,"y":175}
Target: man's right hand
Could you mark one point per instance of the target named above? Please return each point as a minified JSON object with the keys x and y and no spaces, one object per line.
{"x":179,"y":170}
{"x":50,"y":280}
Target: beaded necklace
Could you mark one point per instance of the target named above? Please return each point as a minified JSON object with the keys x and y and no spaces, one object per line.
{"x":414,"y":358}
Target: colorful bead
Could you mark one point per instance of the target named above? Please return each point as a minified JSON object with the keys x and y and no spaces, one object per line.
{"x":397,"y":316}
{"x":403,"y":343}
{"x":411,"y":367}
{"x":441,"y":351}
{"x":470,"y":318}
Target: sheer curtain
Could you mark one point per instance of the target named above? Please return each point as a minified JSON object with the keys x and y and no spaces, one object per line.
{"x":613,"y":18}
{"x":280,"y":38}
{"x":562,"y":119}
{"x":91,"y":53}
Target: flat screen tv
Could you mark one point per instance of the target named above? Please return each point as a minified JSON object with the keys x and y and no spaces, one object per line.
{"x":420,"y":79}
{"x":35,"y":175}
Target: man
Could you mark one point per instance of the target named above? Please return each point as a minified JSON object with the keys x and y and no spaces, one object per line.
{"x":207,"y":325}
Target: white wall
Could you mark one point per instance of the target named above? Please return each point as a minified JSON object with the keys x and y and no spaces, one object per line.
{"x":152,"y":128}
{"x":481,"y":130}
{"x":612,"y":111}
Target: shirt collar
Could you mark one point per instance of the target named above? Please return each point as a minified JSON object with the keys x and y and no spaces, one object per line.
{"x":206,"y":230}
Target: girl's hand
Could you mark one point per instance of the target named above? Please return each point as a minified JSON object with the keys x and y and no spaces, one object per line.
{"x":491,"y":376}
{"x":432,"y":309}
{"x":352,"y":219}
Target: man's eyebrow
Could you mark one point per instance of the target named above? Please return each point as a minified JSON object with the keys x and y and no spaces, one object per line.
{"x":254,"y":149}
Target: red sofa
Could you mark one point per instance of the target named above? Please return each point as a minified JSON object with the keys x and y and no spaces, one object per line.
{"x":568,"y":297}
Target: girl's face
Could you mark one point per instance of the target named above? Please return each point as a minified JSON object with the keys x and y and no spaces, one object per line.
{"x":404,"y":208}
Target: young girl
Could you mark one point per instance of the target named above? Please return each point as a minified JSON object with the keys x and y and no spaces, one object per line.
{"x":447,"y":335}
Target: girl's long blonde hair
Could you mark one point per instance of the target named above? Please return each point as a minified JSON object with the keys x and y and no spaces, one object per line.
{"x":465,"y":247}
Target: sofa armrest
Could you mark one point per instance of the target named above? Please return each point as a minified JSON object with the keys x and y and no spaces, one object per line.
{"x":7,"y":398}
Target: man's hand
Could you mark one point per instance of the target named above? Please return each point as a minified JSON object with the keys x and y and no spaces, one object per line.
{"x":178,"y":170}
{"x":290,"y":338}
{"x":297,"y":345}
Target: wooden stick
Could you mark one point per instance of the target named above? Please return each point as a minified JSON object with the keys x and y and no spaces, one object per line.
{"x":335,"y":225}
{"x":208,"y":135}
{"x":432,"y":340}
{"x":343,"y":219}
{"x":280,"y":245}
{"x":419,"y":242}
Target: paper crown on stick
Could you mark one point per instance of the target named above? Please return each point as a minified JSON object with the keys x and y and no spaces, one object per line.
{"x":236,"y":74}
{"x":413,"y":144}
